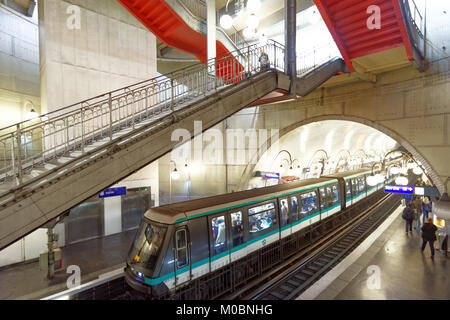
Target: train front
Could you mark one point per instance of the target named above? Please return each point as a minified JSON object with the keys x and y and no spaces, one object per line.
{"x":144,"y":257}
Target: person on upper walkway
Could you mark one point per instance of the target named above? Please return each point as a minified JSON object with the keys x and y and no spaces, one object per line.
{"x":429,"y":235}
{"x":264,"y":60}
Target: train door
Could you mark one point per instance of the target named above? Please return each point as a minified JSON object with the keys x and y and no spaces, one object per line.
{"x":237,"y":249}
{"x":348,"y":193}
{"x":285,"y":217}
{"x":219,"y":240}
{"x":295,"y":205}
{"x":355,"y":191}
{"x":262,"y":225}
{"x":183,"y":270}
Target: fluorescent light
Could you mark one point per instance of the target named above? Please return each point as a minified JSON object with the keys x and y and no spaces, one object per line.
{"x":252,"y":22}
{"x":253,"y":5}
{"x":226,"y":21}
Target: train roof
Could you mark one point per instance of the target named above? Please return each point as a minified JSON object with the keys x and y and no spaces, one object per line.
{"x":349,"y":174}
{"x":181,"y":211}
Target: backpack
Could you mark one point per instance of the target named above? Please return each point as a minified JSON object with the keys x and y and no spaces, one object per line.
{"x":404,"y":214}
{"x":408,"y":214}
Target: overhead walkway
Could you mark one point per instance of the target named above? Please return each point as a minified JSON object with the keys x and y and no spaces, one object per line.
{"x":52,"y":164}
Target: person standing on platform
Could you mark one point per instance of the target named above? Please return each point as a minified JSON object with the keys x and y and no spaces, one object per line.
{"x":426,"y":208}
{"x":408,"y":216}
{"x":417,"y":213}
{"x":429,"y":235}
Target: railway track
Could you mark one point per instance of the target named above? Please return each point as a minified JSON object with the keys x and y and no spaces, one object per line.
{"x":299,"y":277}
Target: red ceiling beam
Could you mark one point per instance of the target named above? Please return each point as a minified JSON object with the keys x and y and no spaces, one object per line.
{"x":403,"y":32}
{"x":371,"y":36}
{"x":362,"y":16}
{"x":362,"y":27}
{"x":372,"y":50}
{"x":321,"y":6}
{"x":355,"y":9}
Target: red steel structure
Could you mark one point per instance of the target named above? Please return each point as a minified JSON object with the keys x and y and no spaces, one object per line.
{"x":172,"y":30}
{"x":347,"y":22}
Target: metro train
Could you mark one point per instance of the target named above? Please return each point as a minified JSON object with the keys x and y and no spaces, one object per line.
{"x":206,"y":246}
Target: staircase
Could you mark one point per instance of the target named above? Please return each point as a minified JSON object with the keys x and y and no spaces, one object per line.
{"x":175,"y":25}
{"x":347,"y":21}
{"x":52,"y":164}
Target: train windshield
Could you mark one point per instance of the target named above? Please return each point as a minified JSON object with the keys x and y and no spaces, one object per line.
{"x":147,"y":245}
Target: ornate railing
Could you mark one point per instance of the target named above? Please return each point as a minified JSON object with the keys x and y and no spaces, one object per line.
{"x":74,"y":130}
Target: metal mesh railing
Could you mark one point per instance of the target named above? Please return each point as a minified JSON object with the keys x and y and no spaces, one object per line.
{"x":74,"y":130}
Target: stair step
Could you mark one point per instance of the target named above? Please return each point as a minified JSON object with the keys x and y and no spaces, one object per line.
{"x":64,"y":159}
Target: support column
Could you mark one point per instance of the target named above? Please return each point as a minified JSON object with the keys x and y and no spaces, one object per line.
{"x":290,"y":35}
{"x":211,"y":29}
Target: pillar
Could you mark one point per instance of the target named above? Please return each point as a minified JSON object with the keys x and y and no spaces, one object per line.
{"x":290,"y":28}
{"x":211,"y":29}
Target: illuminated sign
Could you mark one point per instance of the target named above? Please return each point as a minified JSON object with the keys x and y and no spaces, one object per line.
{"x":272,"y":175}
{"x":419,"y":191}
{"x":399,"y":189}
{"x":112,"y":192}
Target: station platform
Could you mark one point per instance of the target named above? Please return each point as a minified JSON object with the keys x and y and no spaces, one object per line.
{"x":94,"y":257}
{"x":405,"y":273}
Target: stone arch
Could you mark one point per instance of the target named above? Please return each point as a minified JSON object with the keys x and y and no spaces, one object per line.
{"x":373,"y":124}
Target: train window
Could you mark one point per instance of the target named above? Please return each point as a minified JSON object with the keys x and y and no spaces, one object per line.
{"x":335,"y":193}
{"x":219,"y":234}
{"x":182,"y":254}
{"x":355,"y":187}
{"x":348,"y":190}
{"x":361,"y":184}
{"x":261,"y":218}
{"x":323,"y":198}
{"x":147,"y":245}
{"x":237,"y":229}
{"x":309,"y":204}
{"x":294,"y":209}
{"x":284,"y":211}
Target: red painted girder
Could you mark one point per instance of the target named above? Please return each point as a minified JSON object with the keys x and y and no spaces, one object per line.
{"x":345,"y":4}
{"x":147,"y":5}
{"x":378,"y":43}
{"x":372,"y":50}
{"x":358,"y":28}
{"x":403,"y":32}
{"x":322,"y":7}
{"x":361,"y":16}
{"x":361,"y":6}
{"x":372,"y":36}
{"x":152,"y":13}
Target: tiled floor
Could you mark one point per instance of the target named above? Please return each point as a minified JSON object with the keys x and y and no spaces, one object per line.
{"x":404,"y":272}
{"x":93,"y":257}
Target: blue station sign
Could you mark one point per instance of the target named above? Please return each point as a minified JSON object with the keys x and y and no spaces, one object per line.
{"x":399,"y":189}
{"x":272,"y":175}
{"x":112,"y":192}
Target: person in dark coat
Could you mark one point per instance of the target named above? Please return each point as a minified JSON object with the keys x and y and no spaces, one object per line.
{"x":429,"y":235}
{"x":408,"y":216}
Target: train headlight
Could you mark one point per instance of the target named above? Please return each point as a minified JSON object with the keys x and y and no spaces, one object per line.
{"x":140,"y":274}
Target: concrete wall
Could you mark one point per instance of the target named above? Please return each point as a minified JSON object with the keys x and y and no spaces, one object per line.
{"x":410,"y":107}
{"x":25,"y":249}
{"x":19,"y":65}
{"x":98,"y":50}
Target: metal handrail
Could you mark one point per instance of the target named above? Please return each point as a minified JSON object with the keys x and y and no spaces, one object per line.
{"x":75,"y":129}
